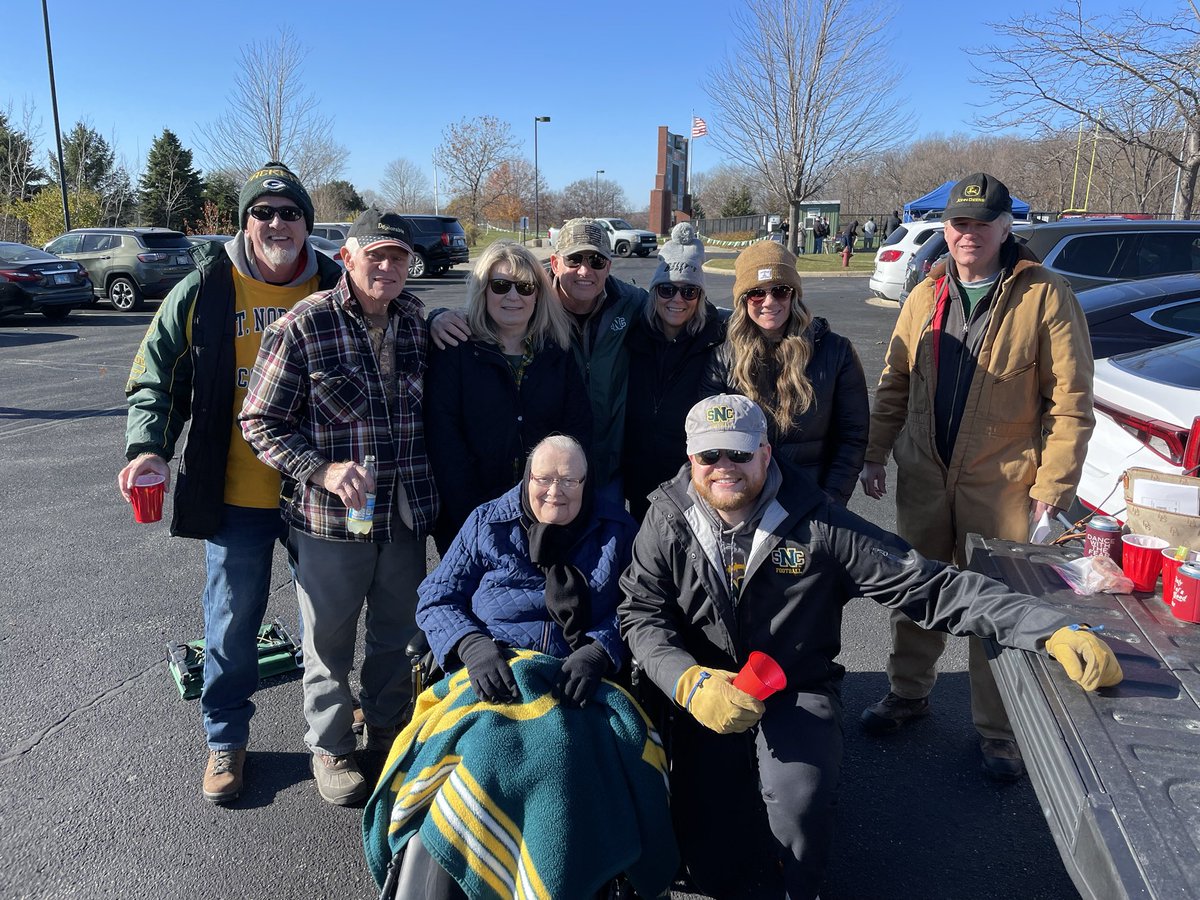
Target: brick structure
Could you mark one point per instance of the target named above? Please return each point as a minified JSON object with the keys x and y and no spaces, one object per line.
{"x":670,"y":201}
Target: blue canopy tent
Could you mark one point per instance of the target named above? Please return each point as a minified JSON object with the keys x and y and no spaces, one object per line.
{"x":935,"y":201}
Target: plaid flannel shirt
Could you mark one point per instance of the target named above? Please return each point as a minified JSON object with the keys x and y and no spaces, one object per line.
{"x":316,"y":396}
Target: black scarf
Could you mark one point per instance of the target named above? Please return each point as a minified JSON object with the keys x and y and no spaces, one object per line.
{"x":568,"y":595}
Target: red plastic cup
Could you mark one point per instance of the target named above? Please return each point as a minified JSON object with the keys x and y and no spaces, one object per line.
{"x":1169,"y":567}
{"x":760,"y":677}
{"x":1142,"y":559}
{"x":146,"y":495}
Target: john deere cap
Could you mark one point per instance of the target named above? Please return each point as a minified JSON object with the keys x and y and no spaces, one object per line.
{"x":979,"y":196}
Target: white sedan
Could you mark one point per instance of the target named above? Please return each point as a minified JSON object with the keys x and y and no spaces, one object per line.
{"x":1146,"y":415}
{"x":894,"y":253}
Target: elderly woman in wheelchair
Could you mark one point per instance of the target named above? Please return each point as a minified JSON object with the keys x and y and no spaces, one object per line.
{"x":524,"y":773}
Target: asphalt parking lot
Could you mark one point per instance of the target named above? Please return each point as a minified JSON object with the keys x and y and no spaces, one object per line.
{"x":100,"y":760}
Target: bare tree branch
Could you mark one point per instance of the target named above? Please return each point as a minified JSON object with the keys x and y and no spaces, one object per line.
{"x":272,"y":117}
{"x":787,"y":97}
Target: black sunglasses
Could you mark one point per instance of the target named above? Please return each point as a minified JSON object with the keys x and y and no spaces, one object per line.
{"x":265,"y":213}
{"x":711,"y":457}
{"x":687,"y":291}
{"x":594,"y":260}
{"x":502,"y":286}
{"x":778,"y":291}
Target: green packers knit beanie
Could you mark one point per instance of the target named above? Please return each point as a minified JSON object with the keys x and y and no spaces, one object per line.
{"x":275,"y":180}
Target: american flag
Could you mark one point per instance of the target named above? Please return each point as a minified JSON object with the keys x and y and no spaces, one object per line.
{"x":699,"y":127}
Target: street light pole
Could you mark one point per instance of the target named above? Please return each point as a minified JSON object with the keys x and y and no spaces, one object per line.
{"x":596,"y":190}
{"x":62,"y":171}
{"x":537,"y":223}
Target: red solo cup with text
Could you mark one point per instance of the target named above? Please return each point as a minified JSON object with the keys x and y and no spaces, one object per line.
{"x":1141,"y":559}
{"x":1185,"y":593}
{"x":760,"y":677}
{"x":1171,"y":563}
{"x":146,"y":495}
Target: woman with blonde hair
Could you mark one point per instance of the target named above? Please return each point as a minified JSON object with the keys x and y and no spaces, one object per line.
{"x":807,"y":379}
{"x":491,"y":399}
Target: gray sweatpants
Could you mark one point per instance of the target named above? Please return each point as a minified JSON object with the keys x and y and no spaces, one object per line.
{"x":333,"y":579}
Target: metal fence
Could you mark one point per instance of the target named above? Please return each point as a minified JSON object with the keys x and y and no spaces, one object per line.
{"x":754,"y":224}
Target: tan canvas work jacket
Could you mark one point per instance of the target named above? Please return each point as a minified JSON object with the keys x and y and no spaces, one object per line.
{"x":1025,"y":426}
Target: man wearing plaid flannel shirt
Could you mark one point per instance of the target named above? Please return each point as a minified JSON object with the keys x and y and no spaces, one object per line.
{"x":338,"y":378}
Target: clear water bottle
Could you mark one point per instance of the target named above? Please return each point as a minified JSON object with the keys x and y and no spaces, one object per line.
{"x":359,"y":521}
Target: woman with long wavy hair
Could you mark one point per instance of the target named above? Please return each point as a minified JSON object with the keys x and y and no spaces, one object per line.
{"x":807,"y":379}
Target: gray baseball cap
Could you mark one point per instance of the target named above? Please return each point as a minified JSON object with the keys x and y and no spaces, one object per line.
{"x":725,"y":422}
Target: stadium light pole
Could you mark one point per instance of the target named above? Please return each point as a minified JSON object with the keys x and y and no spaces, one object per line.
{"x":596,"y":189}
{"x":537,"y":222}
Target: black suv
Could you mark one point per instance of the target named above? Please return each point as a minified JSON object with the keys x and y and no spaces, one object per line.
{"x":128,"y":264}
{"x":439,"y":242}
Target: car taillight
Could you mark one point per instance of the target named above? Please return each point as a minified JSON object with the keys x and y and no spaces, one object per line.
{"x":445,"y":239}
{"x":1172,"y":442}
{"x":1191,"y":452}
{"x":154,"y":257}
{"x":19,"y":275}
{"x":889,"y":255}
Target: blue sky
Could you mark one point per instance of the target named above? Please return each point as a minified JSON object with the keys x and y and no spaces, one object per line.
{"x":394,"y":73}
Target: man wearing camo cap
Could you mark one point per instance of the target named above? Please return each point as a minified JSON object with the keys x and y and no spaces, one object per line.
{"x":601,"y":308}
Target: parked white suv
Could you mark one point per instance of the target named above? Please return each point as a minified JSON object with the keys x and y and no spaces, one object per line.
{"x":893,"y":255}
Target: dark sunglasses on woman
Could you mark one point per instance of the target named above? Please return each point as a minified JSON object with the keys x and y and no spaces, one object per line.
{"x":686,"y":291}
{"x":501,"y":286}
{"x":778,"y":291}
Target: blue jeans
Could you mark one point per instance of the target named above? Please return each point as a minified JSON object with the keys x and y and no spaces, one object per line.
{"x":238,"y":558}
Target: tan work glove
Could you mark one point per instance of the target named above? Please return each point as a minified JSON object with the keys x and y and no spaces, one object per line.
{"x":1088,"y":660}
{"x":711,"y":698}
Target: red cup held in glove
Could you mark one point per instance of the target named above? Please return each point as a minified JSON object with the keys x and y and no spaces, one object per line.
{"x":760,"y":677}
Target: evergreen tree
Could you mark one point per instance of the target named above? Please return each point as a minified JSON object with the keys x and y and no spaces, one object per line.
{"x":88,"y":160}
{"x":221,"y":189}
{"x":738,"y":203}
{"x":170,"y":190}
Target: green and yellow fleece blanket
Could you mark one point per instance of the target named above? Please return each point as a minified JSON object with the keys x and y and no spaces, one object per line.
{"x":527,"y":800}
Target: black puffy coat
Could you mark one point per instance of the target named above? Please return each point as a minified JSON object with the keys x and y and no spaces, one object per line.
{"x":828,"y":440}
{"x":666,"y":378}
{"x":479,"y":426}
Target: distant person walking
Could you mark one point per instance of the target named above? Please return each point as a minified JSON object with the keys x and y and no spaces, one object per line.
{"x":820,"y":232}
{"x":869,"y":234}
{"x":849,"y":236}
{"x":892,"y":223}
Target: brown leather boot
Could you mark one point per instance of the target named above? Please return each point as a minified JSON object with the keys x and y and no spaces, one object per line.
{"x":223,"y":775}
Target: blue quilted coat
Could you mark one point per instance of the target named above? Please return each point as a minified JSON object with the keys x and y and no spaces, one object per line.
{"x":486,"y":583}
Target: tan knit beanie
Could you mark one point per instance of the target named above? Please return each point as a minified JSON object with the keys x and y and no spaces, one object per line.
{"x":764,"y":263}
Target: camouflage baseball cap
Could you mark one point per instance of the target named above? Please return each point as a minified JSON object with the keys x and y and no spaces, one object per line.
{"x":725,"y":422}
{"x":580,"y":235}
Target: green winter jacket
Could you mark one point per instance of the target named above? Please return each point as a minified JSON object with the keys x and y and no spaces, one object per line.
{"x":185,"y":370}
{"x":601,"y":354}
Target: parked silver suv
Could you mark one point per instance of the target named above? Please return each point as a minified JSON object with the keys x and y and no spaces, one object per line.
{"x":127,"y":265}
{"x":1090,"y":252}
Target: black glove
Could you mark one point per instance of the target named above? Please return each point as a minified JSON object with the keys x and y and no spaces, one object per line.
{"x":581,"y":673}
{"x":487,"y":668}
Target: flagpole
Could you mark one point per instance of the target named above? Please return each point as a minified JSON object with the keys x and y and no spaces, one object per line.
{"x":691,"y":142}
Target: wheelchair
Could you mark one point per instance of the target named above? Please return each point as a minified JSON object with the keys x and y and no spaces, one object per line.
{"x":412,"y":873}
